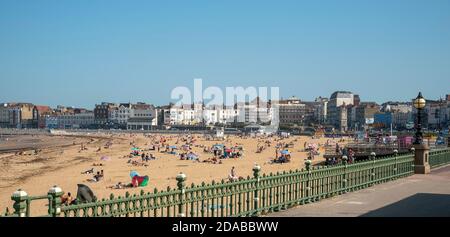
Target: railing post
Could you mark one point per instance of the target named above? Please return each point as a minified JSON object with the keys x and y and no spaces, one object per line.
{"x":413,"y":151}
{"x":54,"y":207}
{"x":344,"y":180}
{"x":256,"y":175}
{"x":181,"y":178}
{"x":20,"y":198}
{"x":395,"y":165}
{"x":308,"y":188}
{"x":372,"y":174}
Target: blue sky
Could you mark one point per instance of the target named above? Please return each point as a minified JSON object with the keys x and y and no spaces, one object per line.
{"x":83,"y":52}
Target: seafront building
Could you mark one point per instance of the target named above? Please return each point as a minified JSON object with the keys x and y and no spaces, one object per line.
{"x":397,"y":115}
{"x":103,"y":113}
{"x":199,"y":114}
{"x":20,"y":115}
{"x":364,"y":115}
{"x":320,"y":111}
{"x":343,"y":111}
{"x":337,"y":108}
{"x":437,"y":114}
{"x":84,"y":119}
{"x":4,"y":115}
{"x":40,"y":114}
{"x":291,"y":110}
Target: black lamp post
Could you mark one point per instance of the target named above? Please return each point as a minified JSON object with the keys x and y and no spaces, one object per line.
{"x":419,"y":104}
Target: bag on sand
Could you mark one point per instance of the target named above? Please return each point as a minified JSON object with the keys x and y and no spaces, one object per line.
{"x":85,"y":194}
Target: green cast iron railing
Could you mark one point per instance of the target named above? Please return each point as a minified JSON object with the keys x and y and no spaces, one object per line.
{"x":439,"y":157}
{"x":251,"y":196}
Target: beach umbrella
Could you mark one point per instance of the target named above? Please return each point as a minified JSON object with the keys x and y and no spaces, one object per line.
{"x":135,"y":149}
{"x":173,"y":147}
{"x":133,"y":173}
{"x":228,"y":150}
{"x":105,"y":158}
{"x":218,"y":146}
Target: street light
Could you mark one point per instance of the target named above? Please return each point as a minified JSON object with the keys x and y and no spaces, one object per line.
{"x":419,"y":104}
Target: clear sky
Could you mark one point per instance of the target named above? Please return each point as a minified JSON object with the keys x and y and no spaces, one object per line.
{"x":82,"y":52}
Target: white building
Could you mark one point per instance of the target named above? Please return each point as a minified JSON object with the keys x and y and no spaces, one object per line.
{"x":321,"y":109}
{"x":144,"y":112}
{"x":198,"y":114}
{"x":255,"y":111}
{"x":182,"y":115}
{"x":125,"y":111}
{"x":227,"y":114}
{"x":337,"y":108}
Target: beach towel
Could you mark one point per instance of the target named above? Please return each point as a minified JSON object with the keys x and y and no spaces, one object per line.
{"x":140,"y":181}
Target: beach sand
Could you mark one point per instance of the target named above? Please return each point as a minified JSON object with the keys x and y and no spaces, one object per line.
{"x":60,"y":162}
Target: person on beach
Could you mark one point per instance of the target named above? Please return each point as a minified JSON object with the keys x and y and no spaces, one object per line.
{"x":67,"y":199}
{"x":90,"y":171}
{"x":351,"y":156}
{"x":232,"y":176}
{"x":120,"y":185}
{"x":98,"y":177}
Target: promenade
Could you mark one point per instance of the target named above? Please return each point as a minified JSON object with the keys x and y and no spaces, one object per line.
{"x":414,"y":196}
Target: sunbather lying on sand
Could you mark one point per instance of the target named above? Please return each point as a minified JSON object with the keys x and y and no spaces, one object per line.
{"x":213,"y":160}
{"x":91,"y":171}
{"x":97,"y":177}
{"x":120,"y":185}
{"x":136,"y":163}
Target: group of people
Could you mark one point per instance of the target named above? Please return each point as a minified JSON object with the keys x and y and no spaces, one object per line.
{"x":97,"y":177}
{"x":189,"y":156}
{"x":136,"y":181}
{"x":260,"y":148}
{"x":341,"y":152}
{"x":283,"y":156}
{"x":147,"y":157}
{"x":223,"y":152}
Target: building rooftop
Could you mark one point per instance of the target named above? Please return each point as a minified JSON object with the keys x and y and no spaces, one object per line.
{"x":43,"y":109}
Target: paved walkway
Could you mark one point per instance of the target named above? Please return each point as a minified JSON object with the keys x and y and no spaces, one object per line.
{"x":414,"y":196}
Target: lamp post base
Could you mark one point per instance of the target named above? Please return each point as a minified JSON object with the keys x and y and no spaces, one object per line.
{"x":421,"y":159}
{"x":422,"y":169}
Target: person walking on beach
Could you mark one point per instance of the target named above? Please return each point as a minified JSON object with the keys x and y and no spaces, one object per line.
{"x":233,"y":176}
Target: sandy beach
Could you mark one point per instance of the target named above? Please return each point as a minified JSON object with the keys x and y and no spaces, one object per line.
{"x":60,"y":161}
